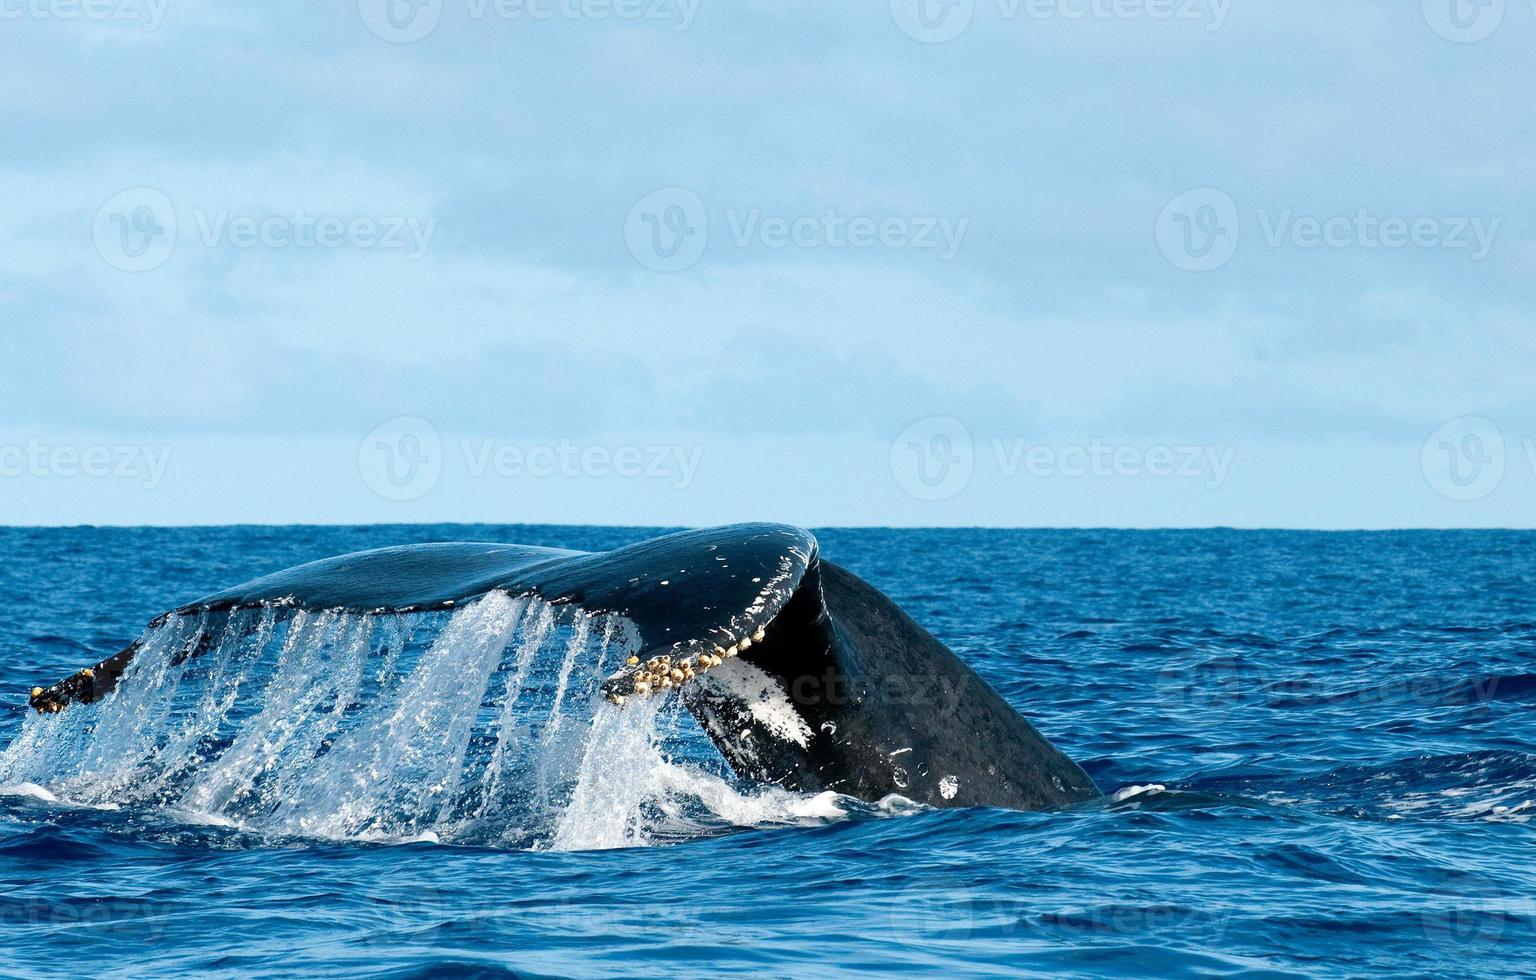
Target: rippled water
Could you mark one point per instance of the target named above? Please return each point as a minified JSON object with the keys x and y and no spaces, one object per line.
{"x":1317,"y":749}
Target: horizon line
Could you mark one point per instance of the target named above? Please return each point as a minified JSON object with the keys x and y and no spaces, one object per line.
{"x":809,"y":526}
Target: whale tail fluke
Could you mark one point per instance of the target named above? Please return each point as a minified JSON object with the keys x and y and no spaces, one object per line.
{"x":802,"y":673}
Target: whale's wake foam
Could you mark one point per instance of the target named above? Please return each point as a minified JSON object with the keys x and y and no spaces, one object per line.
{"x":481,"y":726}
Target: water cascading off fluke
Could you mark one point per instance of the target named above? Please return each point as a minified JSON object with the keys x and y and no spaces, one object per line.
{"x":482,"y":725}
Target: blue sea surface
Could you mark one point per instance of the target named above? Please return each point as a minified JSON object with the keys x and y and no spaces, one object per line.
{"x":1317,"y":751}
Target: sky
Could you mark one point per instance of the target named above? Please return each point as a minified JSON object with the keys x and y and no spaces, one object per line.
{"x":1128,"y":263}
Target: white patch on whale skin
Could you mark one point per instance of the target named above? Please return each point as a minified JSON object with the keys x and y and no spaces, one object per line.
{"x":764,"y":697}
{"x":948,"y":787}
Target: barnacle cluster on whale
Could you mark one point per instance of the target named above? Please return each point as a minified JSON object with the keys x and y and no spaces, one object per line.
{"x":662,"y":673}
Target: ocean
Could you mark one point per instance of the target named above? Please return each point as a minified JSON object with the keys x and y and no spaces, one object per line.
{"x":1316,"y":749}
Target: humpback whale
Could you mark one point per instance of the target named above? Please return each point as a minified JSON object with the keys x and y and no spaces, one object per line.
{"x":801,"y":673}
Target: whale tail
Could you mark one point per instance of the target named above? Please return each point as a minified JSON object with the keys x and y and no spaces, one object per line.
{"x":800,"y":672}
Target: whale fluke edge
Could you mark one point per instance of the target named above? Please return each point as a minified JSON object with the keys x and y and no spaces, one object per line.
{"x":801,"y":673}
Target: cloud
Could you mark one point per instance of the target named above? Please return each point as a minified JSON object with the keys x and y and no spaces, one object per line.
{"x":526,"y":143}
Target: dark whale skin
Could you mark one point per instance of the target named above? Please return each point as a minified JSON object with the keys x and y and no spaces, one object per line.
{"x":890,"y":710}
